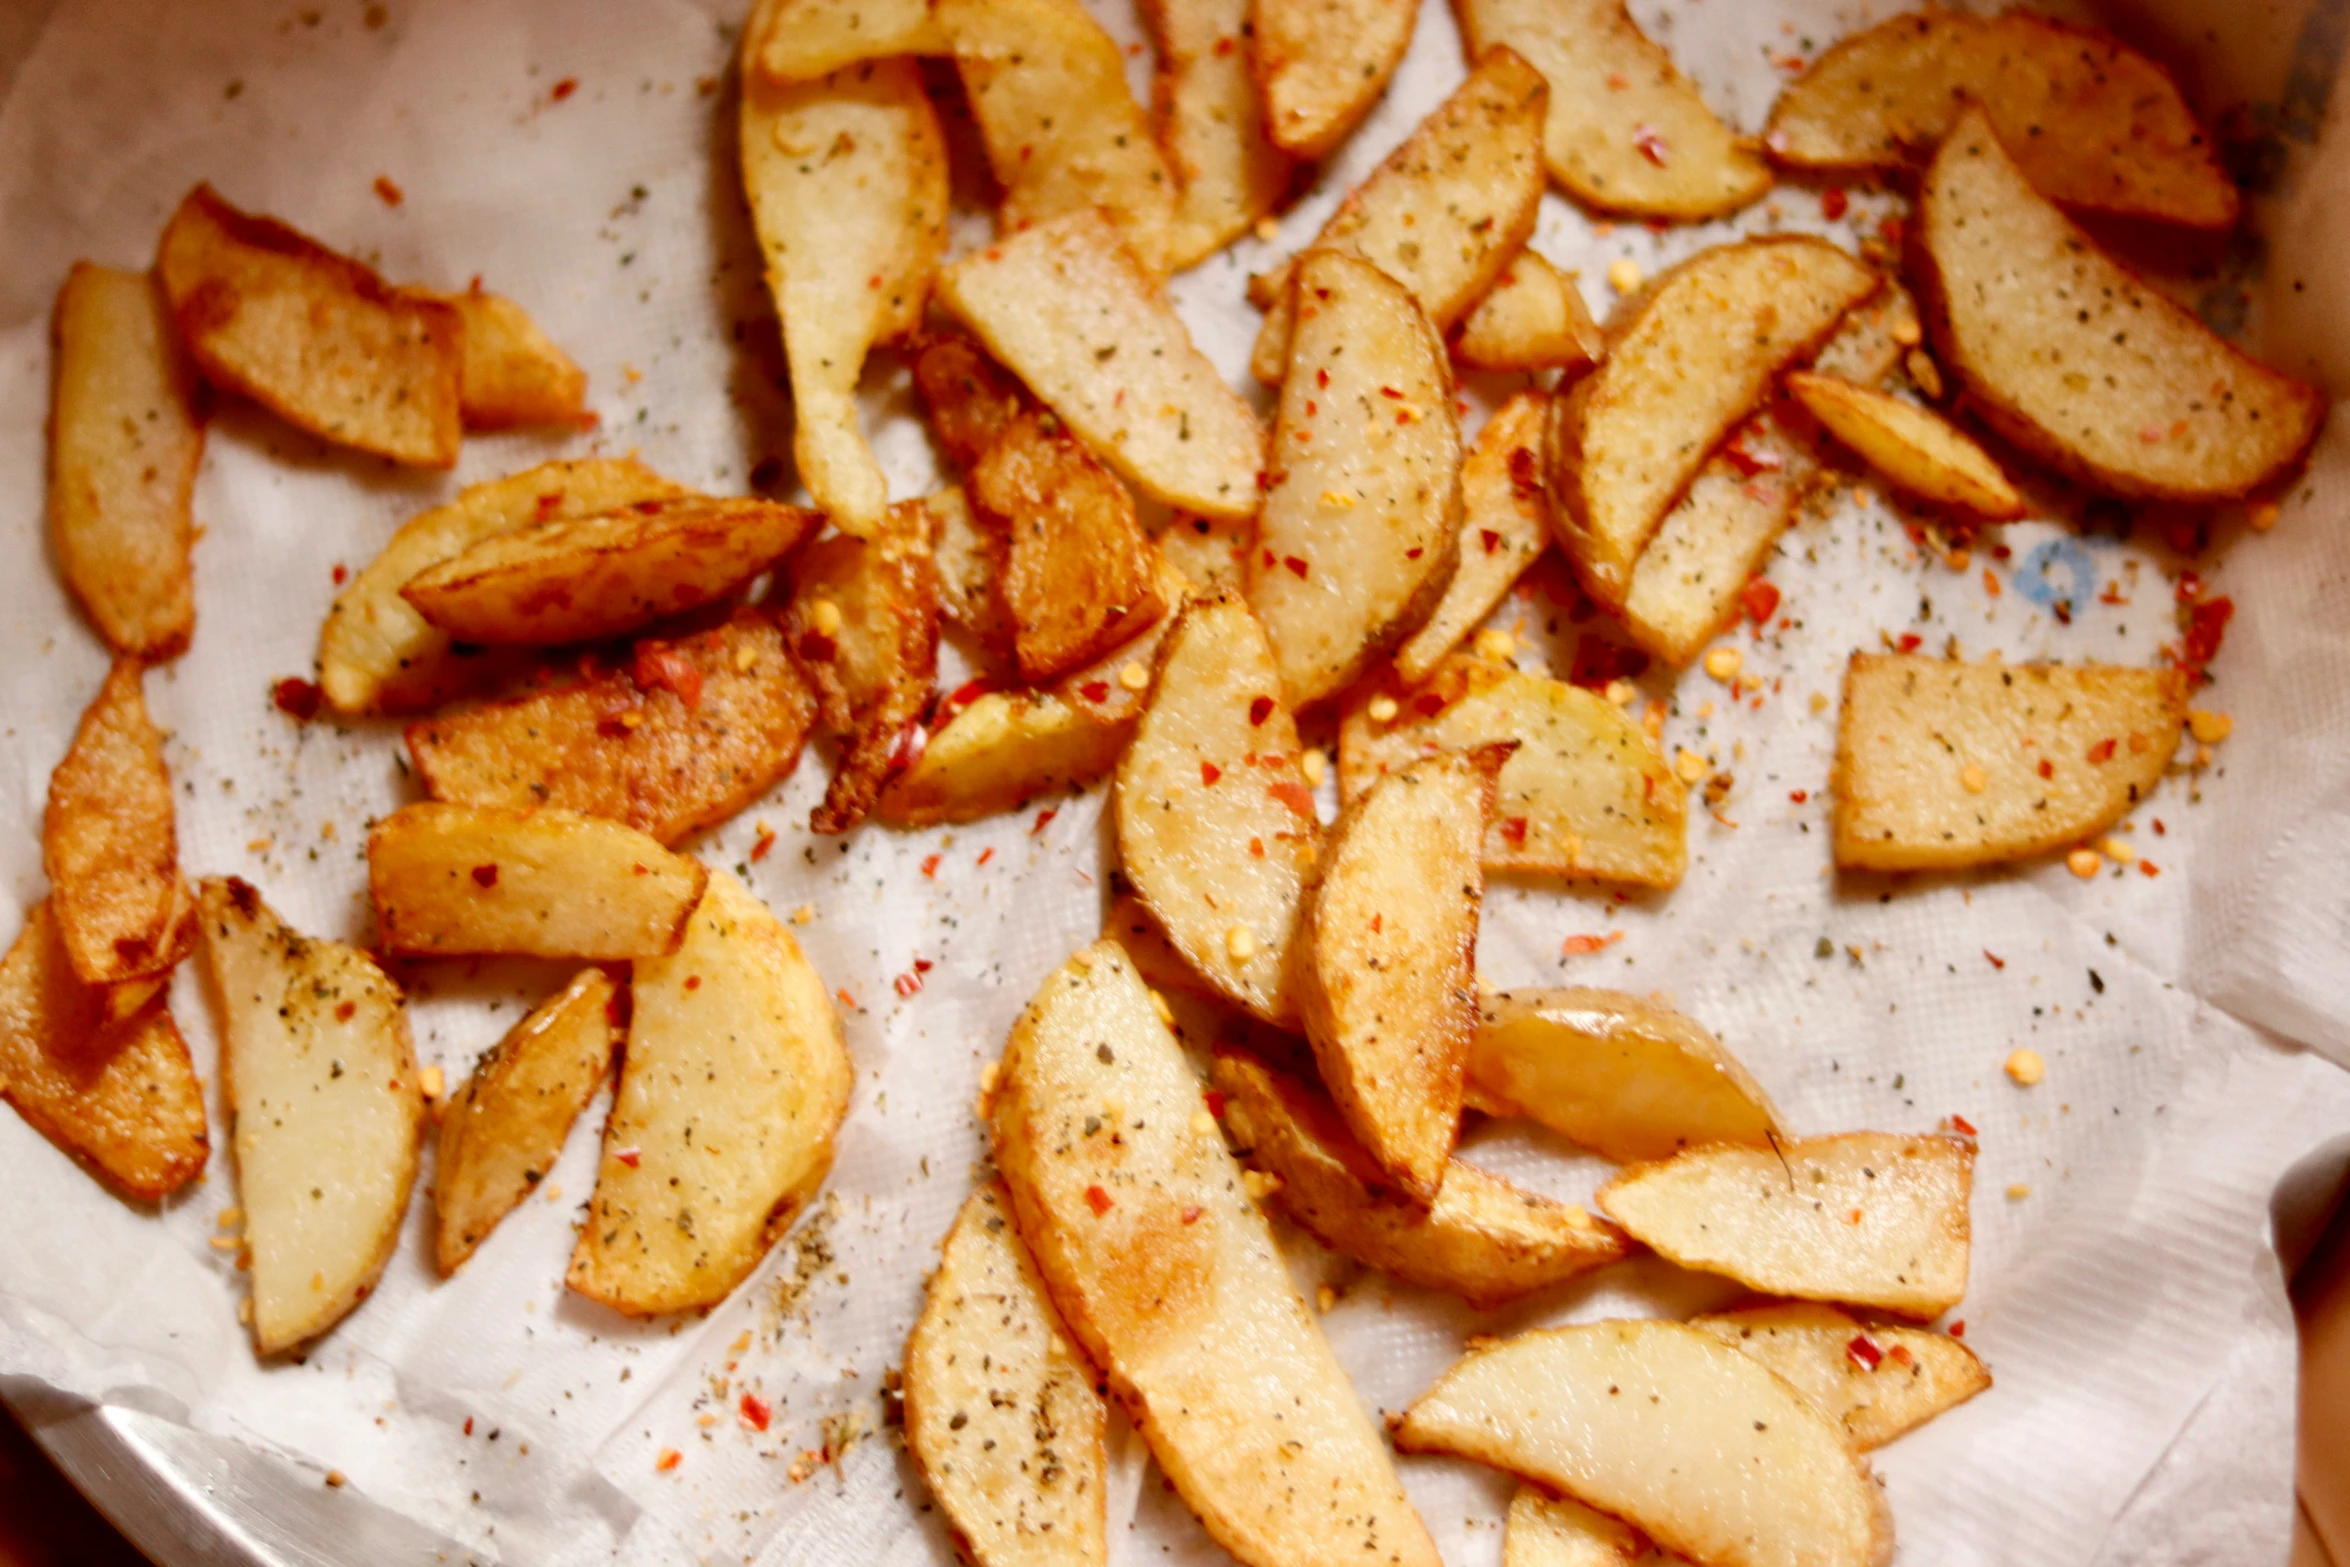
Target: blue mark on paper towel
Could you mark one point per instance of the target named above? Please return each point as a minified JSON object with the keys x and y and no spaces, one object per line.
{"x":2037,"y":578}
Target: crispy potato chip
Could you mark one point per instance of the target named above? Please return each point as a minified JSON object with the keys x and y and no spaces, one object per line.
{"x":1915,"y":449}
{"x":800,"y":40}
{"x":997,"y":753}
{"x":1211,"y":123}
{"x":313,"y":336}
{"x":2070,"y":356}
{"x":1876,"y":1382}
{"x":1074,"y":316}
{"x":1322,"y":65}
{"x":1940,"y":763}
{"x":1557,"y":1531}
{"x":513,"y":374}
{"x":1504,"y":526}
{"x":126,"y":431}
{"x":110,"y":844}
{"x":1533,"y":318}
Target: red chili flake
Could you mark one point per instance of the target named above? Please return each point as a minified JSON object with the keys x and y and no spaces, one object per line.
{"x":1043,"y":818}
{"x":1890,"y":229}
{"x":1415,"y":552}
{"x":2047,"y":768}
{"x":1958,"y":1328}
{"x":1490,"y":539}
{"x":930,"y":866}
{"x":347,"y":1011}
{"x":388,"y":193}
{"x":986,"y":855}
{"x":2102,"y":751}
{"x":564,"y":88}
{"x":342,"y":574}
{"x":2149,"y":868}
{"x":629,"y":1157}
{"x":1996,"y":960}
{"x":754,"y":1412}
{"x":906,"y":984}
{"x":1525,"y":473}
{"x":1271,"y":560}
{"x":1098,"y":1200}
{"x":1833,"y":203}
{"x":1909,"y":642}
{"x":913,"y":740}
{"x":1215,"y":1102}
{"x":2207,"y":627}
{"x":845,"y":999}
{"x":1799,"y":796}
{"x":1256,"y":848}
{"x":1899,"y":1354}
{"x":2190,"y":587}
{"x":1749,"y":463}
{"x":1963,"y":1126}
{"x":658,"y":666}
{"x":1296,"y":563}
{"x":1652,"y":146}
{"x":817,"y":648}
{"x":1095,"y":690}
{"x":764,"y":845}
{"x":1428,"y":703}
{"x":670,"y":1458}
{"x":469,"y":1425}
{"x":968,"y":692}
{"x":1225,"y":46}
{"x":1863,"y":1352}
{"x":1321,"y":377}
{"x":1209,"y":772}
{"x":298,"y":699}
{"x":1394,"y":393}
{"x":1295,"y":795}
{"x":1583,"y":946}
{"x":1191,"y":1215}
{"x":1259,"y":710}
{"x":693,"y":982}
{"x":1761,"y":598}
{"x":485,"y":875}
{"x":1513,"y":831}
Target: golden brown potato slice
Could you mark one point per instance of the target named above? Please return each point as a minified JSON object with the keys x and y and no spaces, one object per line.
{"x":1387,"y":950}
{"x":1322,"y":65}
{"x":1628,"y":1078}
{"x":733,"y":1083}
{"x":580,"y":579}
{"x":327,"y":1111}
{"x":1001,"y":1413}
{"x":847,"y":179}
{"x":1210,"y":554}
{"x":1876,"y":1382}
{"x":460,"y":881}
{"x":126,"y":431}
{"x":313,"y":336}
{"x":863,"y":621}
{"x":513,"y":373}
{"x":1866,"y":1218}
{"x":1658,"y":1424}
{"x":2069,"y":355}
{"x":1627,"y":131}
{"x":998,"y":753}
{"x":1048,"y":90}
{"x":690,"y":733}
{"x":969,"y":557}
{"x":1443,"y":214}
{"x":970,"y":398}
{"x":1915,"y":449}
{"x":1481,"y":1238}
{"x":1211,"y":124}
{"x":2097,"y":125}
{"x":110,"y":842}
{"x":1587,"y":795}
{"x":1533,"y":318}
{"x":1360,"y":531}
{"x":503,"y":1129}
{"x":800,"y":40}
{"x":1696,"y":355}
{"x":1556,"y":1531}
{"x":120,"y":1095}
{"x":1069,"y":310}
{"x":1504,"y":526}
{"x":1940,"y":763}
{"x":1169,"y":1277}
{"x":1216,"y":826}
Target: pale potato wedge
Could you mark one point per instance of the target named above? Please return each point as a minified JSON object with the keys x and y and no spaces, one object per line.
{"x":690,"y":733}
{"x":1216,"y":826}
{"x":732,"y":1086}
{"x":1915,"y":449}
{"x":1504,"y":526}
{"x":1587,"y":795}
{"x":581,"y":579}
{"x":126,"y":432}
{"x":847,"y":180}
{"x":1169,"y":1277}
{"x":1360,"y":531}
{"x":1875,"y":1382}
{"x":503,"y":1128}
{"x":1668,"y":1429}
{"x":1532,"y":318}
{"x":1627,"y":132}
{"x":2065,"y":352}
{"x":1866,"y":1218}
{"x":461,"y":881}
{"x":1941,"y":764}
{"x":1210,"y":554}
{"x":110,"y":842}
{"x":326,"y":1109}
{"x":513,"y":374}
{"x":1481,"y":1238}
{"x":1693,"y":359}
{"x":1047,"y":88}
{"x":377,"y":654}
{"x":1001,"y":1412}
{"x":1071,"y":312}
{"x":1628,"y":1078}
{"x":996,"y":754}
{"x":1322,"y":65}
{"x":1384,"y":964}
{"x":119,"y":1094}
{"x":1211,"y":124}
{"x":1442,"y":215}
{"x":800,"y":40}
{"x":313,"y":336}
{"x":1558,"y":1531}
{"x":2096,"y":124}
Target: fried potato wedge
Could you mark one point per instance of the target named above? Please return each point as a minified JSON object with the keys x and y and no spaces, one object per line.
{"x":2096,"y":124}
{"x":1481,"y":1238}
{"x":110,"y":842}
{"x":1211,"y":124}
{"x":1942,"y":764}
{"x":1504,"y":526}
{"x":377,"y":654}
{"x":462,"y":880}
{"x":313,"y":336}
{"x":580,"y":579}
{"x":1170,"y":1279}
{"x":1915,"y":449}
{"x":996,"y":754}
{"x":1533,"y":318}
{"x":1587,"y":795}
{"x":1075,"y":316}
{"x":126,"y":432}
{"x":1627,"y":132}
{"x":732,"y":1086}
{"x":1693,"y":359}
{"x":513,"y":374}
{"x":1001,"y":1413}
{"x":1445,"y":211}
{"x":847,"y":179}
{"x":1047,"y":87}
{"x":1322,"y":65}
{"x":1628,"y":1078}
{"x":119,"y":1094}
{"x":502,"y":1130}
{"x":2065,"y":352}
{"x":328,"y":1114}
{"x":689,"y":734}
{"x":1866,"y":1218}
{"x":1668,"y":1429}
{"x":1876,"y":1382}
{"x":1360,"y":531}
{"x":1216,"y":826}
{"x":1558,"y":1531}
{"x":1211,"y":554}
{"x":969,"y":558}
{"x":970,"y":398}
{"x":800,"y":40}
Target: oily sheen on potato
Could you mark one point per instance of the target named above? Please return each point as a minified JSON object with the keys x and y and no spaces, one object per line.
{"x":1874,"y":1381}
